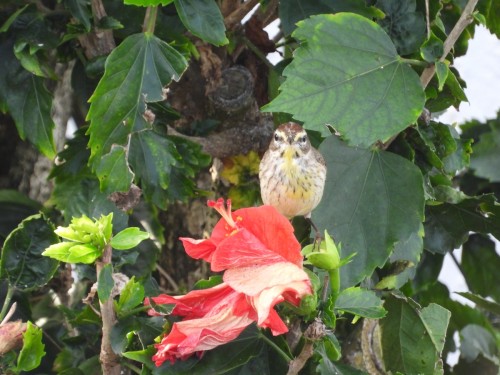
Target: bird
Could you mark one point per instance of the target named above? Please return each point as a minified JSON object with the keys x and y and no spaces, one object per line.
{"x":292,"y":173}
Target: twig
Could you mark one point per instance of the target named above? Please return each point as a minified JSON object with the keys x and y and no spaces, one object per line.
{"x":109,"y":360}
{"x":11,"y":312}
{"x":150,"y":19}
{"x":313,"y":333}
{"x":427,"y":19}
{"x":165,"y":273}
{"x":464,"y":21}
{"x":240,"y":13}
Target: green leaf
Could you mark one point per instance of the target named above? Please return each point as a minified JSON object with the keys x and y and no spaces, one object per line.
{"x":491,"y":10}
{"x":432,"y":49}
{"x":372,"y":200}
{"x":70,"y":253}
{"x":113,"y":171}
{"x":413,"y":338}
{"x":135,"y":73}
{"x":346,"y":61}
{"x":12,"y":18}
{"x":442,"y":71}
{"x":152,"y":157}
{"x":486,"y":154}
{"x":28,"y":102}
{"x":32,"y":352}
{"x":80,"y":9}
{"x":447,"y":226}
{"x":105,"y":283}
{"x":361,"y":302}
{"x":292,"y":11}
{"x":479,"y":253}
{"x":204,"y":19}
{"x":128,"y":238}
{"x":405,"y":26}
{"x":22,"y":263}
{"x":131,"y":296}
{"x":481,"y":302}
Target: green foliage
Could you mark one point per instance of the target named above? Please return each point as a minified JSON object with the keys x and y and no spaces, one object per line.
{"x":204,"y":19}
{"x":33,"y":349}
{"x":372,"y":200}
{"x":105,"y":283}
{"x":28,"y":101}
{"x":347,"y":60}
{"x":402,"y":191}
{"x":22,"y":263}
{"x":413,"y":337}
{"x":128,"y":238}
{"x":363,"y":303}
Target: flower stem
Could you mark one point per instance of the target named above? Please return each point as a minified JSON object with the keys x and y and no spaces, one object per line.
{"x":285,"y":356}
{"x":150,"y":19}
{"x":334,"y":283}
{"x":6,"y":302}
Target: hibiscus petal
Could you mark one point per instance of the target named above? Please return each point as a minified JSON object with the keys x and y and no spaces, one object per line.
{"x":243,"y":249}
{"x":272,"y":229}
{"x":194,"y":335}
{"x":199,"y":303}
{"x":269,"y":285}
{"x":199,"y":249}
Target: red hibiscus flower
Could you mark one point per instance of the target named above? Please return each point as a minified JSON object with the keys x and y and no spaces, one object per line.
{"x":262,"y":264}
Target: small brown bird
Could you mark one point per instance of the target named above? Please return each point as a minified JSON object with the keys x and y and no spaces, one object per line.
{"x":292,"y":173}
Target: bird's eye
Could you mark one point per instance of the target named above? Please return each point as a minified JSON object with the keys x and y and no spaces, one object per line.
{"x":276,"y":137}
{"x":303,"y":139}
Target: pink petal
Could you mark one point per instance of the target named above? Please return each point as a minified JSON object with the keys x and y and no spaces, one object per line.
{"x":199,"y":249}
{"x":269,"y":285}
{"x":194,"y":335}
{"x":199,"y":303}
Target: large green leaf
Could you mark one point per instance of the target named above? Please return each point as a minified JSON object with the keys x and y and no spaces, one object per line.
{"x":347,"y":73}
{"x":413,"y":337}
{"x":479,"y":254}
{"x":447,"y":225}
{"x":362,"y":302}
{"x":28,"y":102}
{"x":22,"y":263}
{"x":204,"y":19}
{"x":135,"y":73}
{"x":372,"y":200}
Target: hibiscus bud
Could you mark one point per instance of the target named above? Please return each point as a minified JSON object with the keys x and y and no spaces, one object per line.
{"x":11,"y":336}
{"x":325,"y":256}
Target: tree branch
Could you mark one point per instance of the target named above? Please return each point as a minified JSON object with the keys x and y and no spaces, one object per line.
{"x":464,"y":21}
{"x":109,"y":360}
{"x":316,"y":331}
{"x":98,"y":42}
{"x":240,"y":13}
